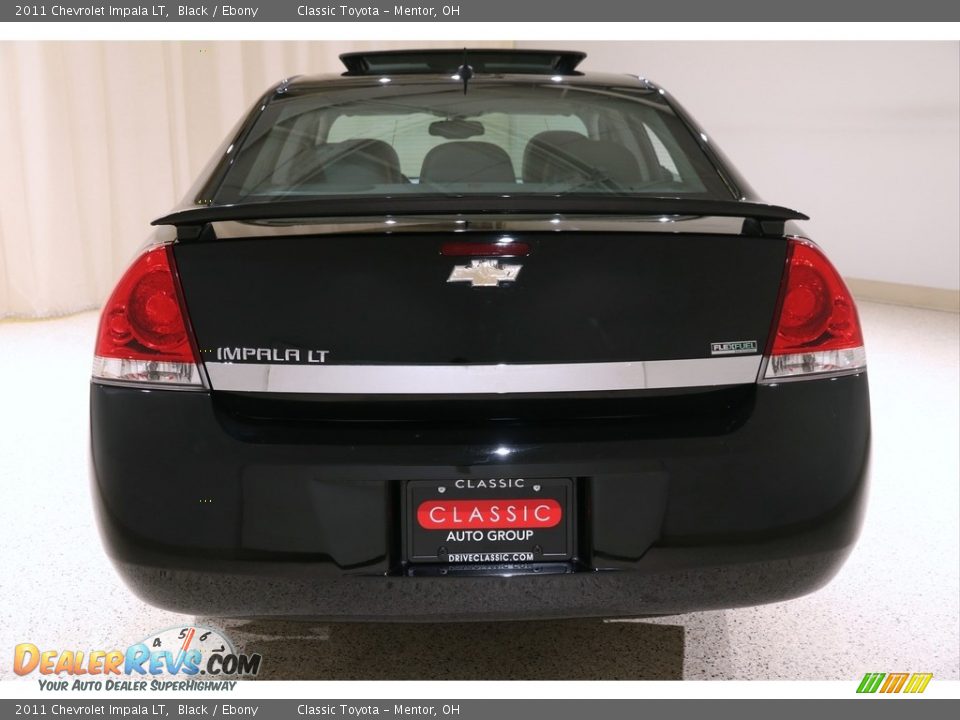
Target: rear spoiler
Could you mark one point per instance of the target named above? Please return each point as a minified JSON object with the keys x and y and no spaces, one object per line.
{"x":768,"y":219}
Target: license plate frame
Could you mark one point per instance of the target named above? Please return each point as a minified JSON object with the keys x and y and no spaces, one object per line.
{"x":532,"y":540}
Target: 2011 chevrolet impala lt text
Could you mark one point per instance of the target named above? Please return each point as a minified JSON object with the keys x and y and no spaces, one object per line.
{"x":475,"y":335}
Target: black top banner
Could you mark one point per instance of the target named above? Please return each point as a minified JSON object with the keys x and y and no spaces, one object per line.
{"x":487,"y":11}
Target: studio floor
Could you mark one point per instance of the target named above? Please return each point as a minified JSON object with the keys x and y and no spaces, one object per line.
{"x":895,"y":606}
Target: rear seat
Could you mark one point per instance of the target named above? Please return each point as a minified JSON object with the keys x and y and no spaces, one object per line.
{"x":542,"y":148}
{"x":467,"y":161}
{"x":582,"y":159}
{"x":361,"y":161}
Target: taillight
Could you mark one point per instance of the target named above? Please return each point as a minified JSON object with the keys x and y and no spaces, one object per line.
{"x":144,"y":336}
{"x":818,"y":330}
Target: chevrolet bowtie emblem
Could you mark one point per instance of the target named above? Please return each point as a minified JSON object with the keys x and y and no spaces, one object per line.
{"x":484,"y":273}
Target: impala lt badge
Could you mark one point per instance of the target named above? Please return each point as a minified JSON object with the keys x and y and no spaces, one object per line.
{"x":484,"y":273}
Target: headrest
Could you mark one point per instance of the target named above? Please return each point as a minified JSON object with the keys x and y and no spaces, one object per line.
{"x":541,"y":148}
{"x":361,"y":161}
{"x":467,"y":161}
{"x":582,"y":160}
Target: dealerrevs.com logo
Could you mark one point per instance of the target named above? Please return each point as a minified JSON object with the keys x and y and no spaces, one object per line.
{"x":180,"y":658}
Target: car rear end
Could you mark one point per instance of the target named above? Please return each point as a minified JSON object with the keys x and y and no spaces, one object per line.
{"x":472,"y":406}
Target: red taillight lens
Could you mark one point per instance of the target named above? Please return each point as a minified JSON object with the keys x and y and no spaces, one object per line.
{"x":143,"y":335}
{"x":817,"y":311}
{"x":142,"y":319}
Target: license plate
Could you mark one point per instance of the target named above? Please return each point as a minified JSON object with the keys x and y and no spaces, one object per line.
{"x":499,"y":520}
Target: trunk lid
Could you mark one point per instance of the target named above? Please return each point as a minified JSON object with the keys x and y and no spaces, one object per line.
{"x":581,"y":303}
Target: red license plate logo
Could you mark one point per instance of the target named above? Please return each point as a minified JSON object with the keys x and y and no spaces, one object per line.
{"x":489,"y":514}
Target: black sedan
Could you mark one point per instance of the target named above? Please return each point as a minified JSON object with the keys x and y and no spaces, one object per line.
{"x":474,"y":335}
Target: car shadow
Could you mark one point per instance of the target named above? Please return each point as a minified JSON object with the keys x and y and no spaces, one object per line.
{"x":547,"y":650}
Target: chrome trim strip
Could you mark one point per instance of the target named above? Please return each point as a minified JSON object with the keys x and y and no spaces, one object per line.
{"x":482,"y":379}
{"x":233,"y":229}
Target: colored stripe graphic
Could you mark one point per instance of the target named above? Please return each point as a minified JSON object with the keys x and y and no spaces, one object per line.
{"x":870,"y":682}
{"x":918,"y":682}
{"x":894,"y":682}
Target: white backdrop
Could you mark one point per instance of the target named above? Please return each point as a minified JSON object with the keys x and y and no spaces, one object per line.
{"x":98,"y":139}
{"x":864,"y":137}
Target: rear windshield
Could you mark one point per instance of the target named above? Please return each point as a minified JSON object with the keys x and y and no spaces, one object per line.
{"x":498,"y":138}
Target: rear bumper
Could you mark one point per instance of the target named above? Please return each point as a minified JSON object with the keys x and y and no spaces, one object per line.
{"x":205,"y":513}
{"x":299,"y":591}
